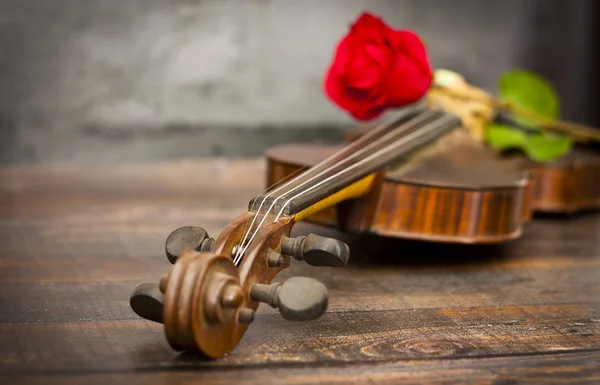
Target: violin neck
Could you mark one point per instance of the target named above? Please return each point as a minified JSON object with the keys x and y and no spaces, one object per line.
{"x":413,"y":129}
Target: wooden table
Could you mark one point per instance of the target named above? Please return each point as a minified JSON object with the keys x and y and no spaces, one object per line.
{"x":75,"y":240}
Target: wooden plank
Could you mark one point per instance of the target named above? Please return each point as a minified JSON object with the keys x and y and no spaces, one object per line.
{"x":75,"y":240}
{"x":124,"y":192}
{"x":131,"y":249}
{"x":372,"y":336}
{"x":168,"y":177}
{"x":93,"y":295}
{"x":573,"y":368}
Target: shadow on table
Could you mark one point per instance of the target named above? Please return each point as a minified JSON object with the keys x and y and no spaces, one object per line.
{"x":383,"y":251}
{"x":546,"y":236}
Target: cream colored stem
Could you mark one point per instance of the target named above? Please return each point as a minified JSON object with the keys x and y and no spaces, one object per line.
{"x":576,"y":131}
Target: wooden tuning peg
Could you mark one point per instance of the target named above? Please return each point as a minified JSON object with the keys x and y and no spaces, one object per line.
{"x":297,"y":299}
{"x":316,"y":250}
{"x":187,"y":237}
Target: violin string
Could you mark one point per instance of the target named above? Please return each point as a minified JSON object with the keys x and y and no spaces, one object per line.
{"x":387,"y":137}
{"x":248,"y":227}
{"x":278,"y":183}
{"x":394,"y":146}
{"x":242,"y":247}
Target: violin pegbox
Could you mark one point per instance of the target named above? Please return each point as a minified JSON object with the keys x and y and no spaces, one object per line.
{"x":206,"y":301}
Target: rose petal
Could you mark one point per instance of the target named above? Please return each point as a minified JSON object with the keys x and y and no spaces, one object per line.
{"x":361,"y":105}
{"x":412,"y":75}
{"x":363,"y":73}
{"x":381,"y":55}
{"x":412,"y":46}
{"x":337,"y":91}
{"x":365,"y":22}
{"x":368,"y":29}
{"x":407,"y":84}
{"x":367,"y":112}
{"x":342,"y":55}
{"x":371,"y":56}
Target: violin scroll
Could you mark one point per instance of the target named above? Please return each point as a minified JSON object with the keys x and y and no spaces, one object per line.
{"x":208,"y":298}
{"x":200,"y":301}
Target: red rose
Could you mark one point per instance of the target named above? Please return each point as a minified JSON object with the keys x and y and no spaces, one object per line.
{"x":376,"y":67}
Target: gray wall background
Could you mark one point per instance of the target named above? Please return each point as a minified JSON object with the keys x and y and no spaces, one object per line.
{"x":130,"y":80}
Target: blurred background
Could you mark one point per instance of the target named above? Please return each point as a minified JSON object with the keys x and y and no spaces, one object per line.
{"x":136,"y":80}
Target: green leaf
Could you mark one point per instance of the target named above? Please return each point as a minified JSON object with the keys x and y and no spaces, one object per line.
{"x":544,"y":147}
{"x":540,"y":147}
{"x":502,"y":137}
{"x":529,"y":91}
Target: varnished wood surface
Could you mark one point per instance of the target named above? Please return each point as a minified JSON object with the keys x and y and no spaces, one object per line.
{"x":569,"y":184}
{"x":74,"y":241}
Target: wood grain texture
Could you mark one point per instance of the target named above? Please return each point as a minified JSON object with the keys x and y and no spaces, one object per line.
{"x":553,"y":369}
{"x":74,"y":243}
{"x":569,"y":184}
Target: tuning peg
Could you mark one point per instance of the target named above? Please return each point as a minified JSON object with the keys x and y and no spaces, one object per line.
{"x":316,"y":250}
{"x":147,"y":302}
{"x":297,"y":299}
{"x":187,"y":237}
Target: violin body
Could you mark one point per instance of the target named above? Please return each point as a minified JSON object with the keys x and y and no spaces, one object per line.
{"x":454,"y":191}
{"x":567,"y":185}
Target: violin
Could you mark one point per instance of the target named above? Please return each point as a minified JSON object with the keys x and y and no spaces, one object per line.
{"x":566,"y":185}
{"x":421,"y":175}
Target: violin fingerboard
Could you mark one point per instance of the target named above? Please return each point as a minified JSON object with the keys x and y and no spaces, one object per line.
{"x":289,"y":203}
